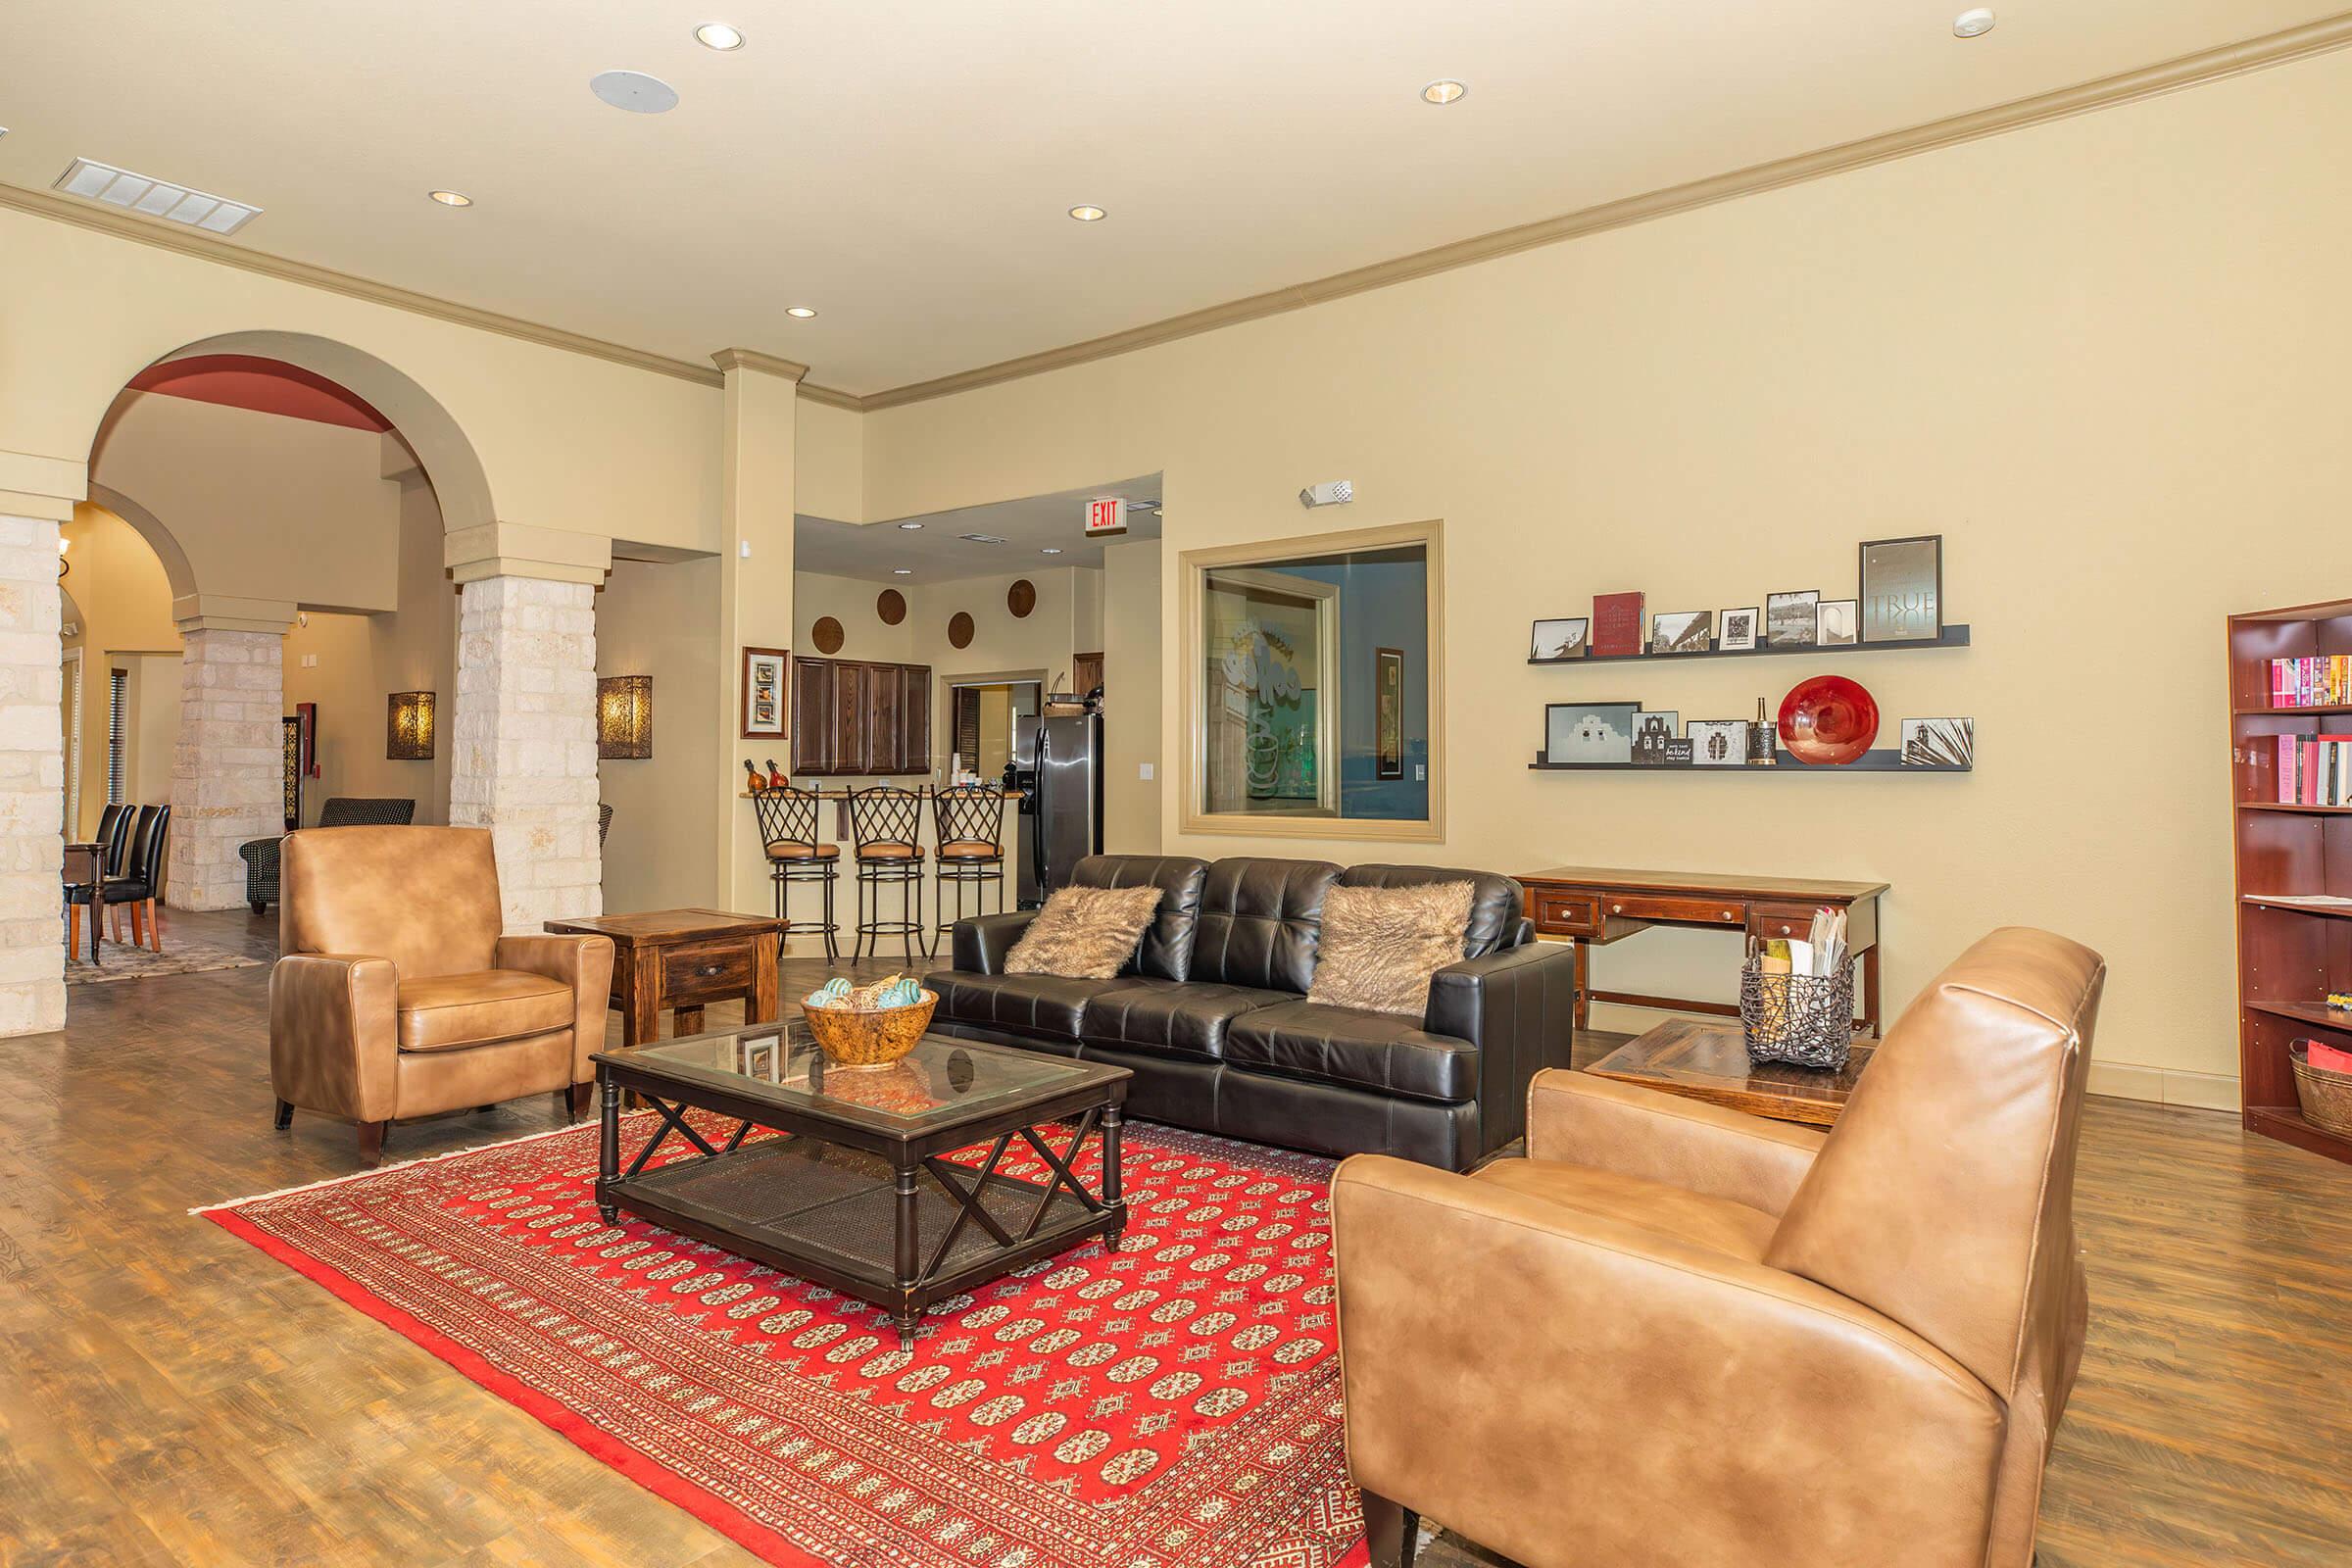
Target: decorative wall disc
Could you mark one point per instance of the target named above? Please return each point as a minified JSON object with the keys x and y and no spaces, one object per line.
{"x":891,"y":606}
{"x":959,"y":629}
{"x":827,"y":635}
{"x":1021,"y":597}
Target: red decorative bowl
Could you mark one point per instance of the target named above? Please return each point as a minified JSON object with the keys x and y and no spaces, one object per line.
{"x":1828,"y":721}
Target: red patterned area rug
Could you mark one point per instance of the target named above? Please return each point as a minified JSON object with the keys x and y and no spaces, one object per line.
{"x":1174,"y":1405}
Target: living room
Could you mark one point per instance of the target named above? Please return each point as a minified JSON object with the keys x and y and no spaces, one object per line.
{"x":1204,"y":486}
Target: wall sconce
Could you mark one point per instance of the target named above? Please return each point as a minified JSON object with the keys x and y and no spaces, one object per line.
{"x":624,"y":717}
{"x":408,"y":727}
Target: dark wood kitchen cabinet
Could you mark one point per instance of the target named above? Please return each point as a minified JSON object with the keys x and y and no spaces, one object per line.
{"x":854,"y":716}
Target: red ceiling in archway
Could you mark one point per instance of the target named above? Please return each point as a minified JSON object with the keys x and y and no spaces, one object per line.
{"x":266,"y":386}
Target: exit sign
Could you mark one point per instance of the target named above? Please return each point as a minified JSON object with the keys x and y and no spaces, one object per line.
{"x":1105,"y":517}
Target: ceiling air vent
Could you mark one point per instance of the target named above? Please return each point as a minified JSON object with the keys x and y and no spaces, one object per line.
{"x":983,"y":538}
{"x":154,"y":198}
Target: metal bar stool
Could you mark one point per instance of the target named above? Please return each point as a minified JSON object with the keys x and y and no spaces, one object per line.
{"x":968,"y":849}
{"x":796,"y":852}
{"x":886,"y":825}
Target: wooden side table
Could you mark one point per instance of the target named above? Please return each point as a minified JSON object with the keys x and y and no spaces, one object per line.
{"x":680,"y":960}
{"x":1709,"y":1062}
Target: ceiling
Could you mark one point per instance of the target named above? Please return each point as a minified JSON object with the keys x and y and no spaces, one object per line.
{"x":935,"y":553}
{"x":906,"y":166}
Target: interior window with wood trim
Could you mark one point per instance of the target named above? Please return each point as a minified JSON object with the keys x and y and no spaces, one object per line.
{"x":117,"y":734}
{"x":1313,"y":673}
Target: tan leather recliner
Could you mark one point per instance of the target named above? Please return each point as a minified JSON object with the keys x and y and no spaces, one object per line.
{"x":396,"y":996}
{"x":1679,"y":1334}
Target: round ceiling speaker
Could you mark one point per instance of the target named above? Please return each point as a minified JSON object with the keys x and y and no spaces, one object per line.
{"x":635,"y":91}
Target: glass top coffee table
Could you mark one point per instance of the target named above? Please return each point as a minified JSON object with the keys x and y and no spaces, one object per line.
{"x":860,"y":1197}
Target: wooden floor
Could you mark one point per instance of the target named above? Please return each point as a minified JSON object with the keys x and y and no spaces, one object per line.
{"x":170,"y":1394}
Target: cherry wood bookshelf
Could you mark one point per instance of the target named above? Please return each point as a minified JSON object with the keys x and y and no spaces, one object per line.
{"x":2290,"y":955}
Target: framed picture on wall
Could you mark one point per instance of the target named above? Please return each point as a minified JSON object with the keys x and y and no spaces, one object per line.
{"x":1589,"y":732}
{"x":1681,"y":632}
{"x":1739,"y":629}
{"x":764,"y":698}
{"x":1790,"y":618}
{"x":1558,"y":639}
{"x":1388,"y":698}
{"x":1836,"y":623}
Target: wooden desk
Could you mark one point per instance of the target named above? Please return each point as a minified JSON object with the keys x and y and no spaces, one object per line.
{"x":681,"y":959}
{"x":1708,"y":1062}
{"x":1597,"y":906}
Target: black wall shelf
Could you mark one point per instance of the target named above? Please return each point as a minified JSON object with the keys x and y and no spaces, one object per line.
{"x":1955,"y":636}
{"x":1878,"y":761}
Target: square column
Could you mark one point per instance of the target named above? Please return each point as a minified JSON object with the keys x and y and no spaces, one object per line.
{"x":525,"y":735}
{"x":32,"y":780}
{"x":229,"y":768}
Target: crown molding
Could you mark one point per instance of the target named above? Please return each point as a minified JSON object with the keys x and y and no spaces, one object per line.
{"x":832,"y":397}
{"x":752,"y":360}
{"x":105,"y":221}
{"x":2187,"y":71}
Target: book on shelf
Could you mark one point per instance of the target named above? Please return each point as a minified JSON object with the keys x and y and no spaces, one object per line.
{"x":2303,"y":900}
{"x":2321,"y":681}
{"x":1616,"y":624}
{"x":2315,"y":769}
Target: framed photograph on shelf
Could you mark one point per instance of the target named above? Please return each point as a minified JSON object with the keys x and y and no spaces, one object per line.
{"x":1835,"y":626}
{"x":1902,"y":589}
{"x":1791,"y":619}
{"x":1653,"y":733}
{"x":1681,"y":632}
{"x":1717,"y":742}
{"x":1387,"y":713}
{"x":766,"y":706}
{"x":1559,"y":639}
{"x":1939,"y":742}
{"x":1588,"y":732}
{"x":1735,"y":630}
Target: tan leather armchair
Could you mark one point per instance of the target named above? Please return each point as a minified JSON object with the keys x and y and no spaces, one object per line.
{"x":396,"y":996}
{"x":1676,"y":1333}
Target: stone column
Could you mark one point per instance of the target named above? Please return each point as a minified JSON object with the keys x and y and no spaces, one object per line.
{"x":32,"y":777}
{"x":229,"y":768}
{"x":524,"y":725}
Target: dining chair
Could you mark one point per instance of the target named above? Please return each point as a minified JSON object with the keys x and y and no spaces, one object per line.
{"x":142,"y":878}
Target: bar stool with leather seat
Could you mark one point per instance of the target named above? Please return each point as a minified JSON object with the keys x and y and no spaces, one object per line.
{"x":967,"y":849}
{"x":798,"y":853}
{"x":886,"y":825}
{"x":398,"y":997}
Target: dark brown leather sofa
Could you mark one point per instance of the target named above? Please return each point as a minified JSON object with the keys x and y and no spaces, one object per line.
{"x":1212,"y":1014}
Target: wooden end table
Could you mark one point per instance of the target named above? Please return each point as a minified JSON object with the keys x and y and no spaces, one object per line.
{"x":1708,"y":1062}
{"x":679,"y":961}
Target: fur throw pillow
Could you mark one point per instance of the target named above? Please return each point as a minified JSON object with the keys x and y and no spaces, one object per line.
{"x":1381,"y":945}
{"x":1083,"y":933}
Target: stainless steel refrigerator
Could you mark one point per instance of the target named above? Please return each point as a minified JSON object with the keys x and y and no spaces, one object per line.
{"x":1058,"y":762}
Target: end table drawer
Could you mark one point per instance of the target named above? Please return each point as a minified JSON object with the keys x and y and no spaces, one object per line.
{"x":712,"y":969}
{"x":1565,"y":914}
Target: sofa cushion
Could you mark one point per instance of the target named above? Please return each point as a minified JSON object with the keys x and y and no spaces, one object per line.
{"x":1497,"y":902}
{"x":451,"y":1011}
{"x":1715,"y":1223}
{"x":1380,"y":946}
{"x":1166,"y":953}
{"x":1261,"y":921}
{"x":1382,"y":1050}
{"x":1034,"y":1003}
{"x":1190,"y":1019}
{"x":1085,"y":932}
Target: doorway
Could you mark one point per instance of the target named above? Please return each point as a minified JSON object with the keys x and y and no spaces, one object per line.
{"x":983,"y":713}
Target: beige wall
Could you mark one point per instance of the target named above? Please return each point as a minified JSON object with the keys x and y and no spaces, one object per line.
{"x":2108,"y":358}
{"x":653,"y":620}
{"x":1131,"y":706}
{"x":124,"y":610}
{"x":262,"y":506}
{"x":362,"y":660}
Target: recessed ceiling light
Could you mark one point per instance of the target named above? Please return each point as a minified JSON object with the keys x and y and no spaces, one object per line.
{"x":901,"y":571}
{"x":1051,"y":550}
{"x":634,"y":91}
{"x":1443,"y":92}
{"x":798,"y":313}
{"x":450,"y":198}
{"x":1087,"y":214}
{"x":911,"y":526}
{"x":717,"y":35}
{"x":1973,"y":24}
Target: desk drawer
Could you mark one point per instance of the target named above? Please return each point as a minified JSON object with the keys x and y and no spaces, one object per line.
{"x":1769,"y":920}
{"x":1565,"y":914}
{"x":1683,"y":907}
{"x":706,"y":971}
